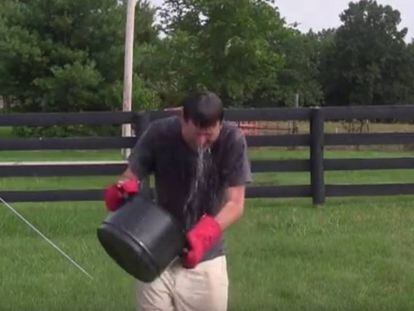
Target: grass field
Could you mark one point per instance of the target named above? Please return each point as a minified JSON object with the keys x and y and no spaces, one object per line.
{"x":296,"y":178}
{"x":354,"y":254}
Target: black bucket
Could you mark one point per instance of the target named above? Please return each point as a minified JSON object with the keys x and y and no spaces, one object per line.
{"x":142,"y":238}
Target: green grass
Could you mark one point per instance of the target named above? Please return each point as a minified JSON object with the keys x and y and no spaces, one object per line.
{"x":58,"y":183}
{"x":354,"y":254}
{"x":5,"y":132}
{"x":254,"y":154}
{"x":36,"y":277}
{"x":275,"y":178}
{"x":60,"y":155}
{"x":303,"y":153}
{"x":337,"y":177}
{"x":98,"y":182}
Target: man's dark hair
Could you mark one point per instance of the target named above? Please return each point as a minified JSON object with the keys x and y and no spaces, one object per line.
{"x":203,"y":108}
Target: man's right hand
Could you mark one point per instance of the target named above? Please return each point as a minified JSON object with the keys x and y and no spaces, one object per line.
{"x":116,"y":194}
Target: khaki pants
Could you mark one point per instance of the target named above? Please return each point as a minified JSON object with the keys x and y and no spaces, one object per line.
{"x":204,"y":288}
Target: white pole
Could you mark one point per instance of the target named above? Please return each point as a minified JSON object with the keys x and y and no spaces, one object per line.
{"x":128,"y":62}
{"x":295,"y":123}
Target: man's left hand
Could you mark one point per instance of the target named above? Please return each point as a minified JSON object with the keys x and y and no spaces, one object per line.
{"x":200,"y":240}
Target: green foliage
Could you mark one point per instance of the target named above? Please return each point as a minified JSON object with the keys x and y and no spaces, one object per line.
{"x":298,"y":75}
{"x":355,"y":254}
{"x":67,"y":55}
{"x":224,"y":46}
{"x":242,"y":50}
{"x":71,"y":87}
{"x":367,"y":62}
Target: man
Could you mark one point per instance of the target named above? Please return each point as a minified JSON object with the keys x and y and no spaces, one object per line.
{"x":201,"y":168}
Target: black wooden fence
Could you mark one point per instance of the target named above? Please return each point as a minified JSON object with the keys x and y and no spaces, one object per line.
{"x":316,"y":140}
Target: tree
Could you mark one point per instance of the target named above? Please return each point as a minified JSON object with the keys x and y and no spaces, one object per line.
{"x":67,"y":55}
{"x":364,"y":64}
{"x":298,"y":75}
{"x":405,"y":86}
{"x":226,"y":46}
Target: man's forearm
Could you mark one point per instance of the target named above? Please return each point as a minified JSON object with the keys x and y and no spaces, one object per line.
{"x":233,"y":209}
{"x":230,"y":213}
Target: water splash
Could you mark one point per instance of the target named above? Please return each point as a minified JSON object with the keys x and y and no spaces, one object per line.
{"x":201,"y":167}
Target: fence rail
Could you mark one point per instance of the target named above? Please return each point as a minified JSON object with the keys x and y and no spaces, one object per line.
{"x":316,"y":140}
{"x":68,"y":118}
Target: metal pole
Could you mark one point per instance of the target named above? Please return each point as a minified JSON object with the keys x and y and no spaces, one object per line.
{"x":128,"y":67}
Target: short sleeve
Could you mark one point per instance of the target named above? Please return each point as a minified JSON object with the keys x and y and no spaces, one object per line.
{"x":237,"y":170}
{"x":141,"y":160}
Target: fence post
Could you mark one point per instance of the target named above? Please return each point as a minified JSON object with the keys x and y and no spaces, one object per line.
{"x":316,"y":156}
{"x":141,"y":123}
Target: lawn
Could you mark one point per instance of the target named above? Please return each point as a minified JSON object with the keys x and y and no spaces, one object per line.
{"x":281,"y":178}
{"x":353,"y":254}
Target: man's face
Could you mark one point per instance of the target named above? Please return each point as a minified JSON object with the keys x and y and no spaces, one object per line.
{"x":197,"y":137}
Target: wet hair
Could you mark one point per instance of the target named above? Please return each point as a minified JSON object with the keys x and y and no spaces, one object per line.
{"x":204,"y":109}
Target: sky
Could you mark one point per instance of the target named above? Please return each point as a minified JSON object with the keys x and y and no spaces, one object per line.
{"x":322,"y":14}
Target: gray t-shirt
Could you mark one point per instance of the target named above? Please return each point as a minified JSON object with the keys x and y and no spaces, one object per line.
{"x":189,"y":184}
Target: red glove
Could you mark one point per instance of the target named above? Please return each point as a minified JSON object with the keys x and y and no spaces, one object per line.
{"x":116,"y":194}
{"x":200,"y":240}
